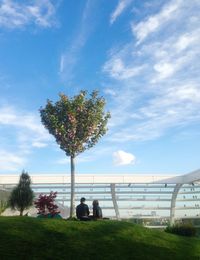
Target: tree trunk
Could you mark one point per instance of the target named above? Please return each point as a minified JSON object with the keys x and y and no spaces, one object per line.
{"x":72,"y":206}
{"x":21,"y":212}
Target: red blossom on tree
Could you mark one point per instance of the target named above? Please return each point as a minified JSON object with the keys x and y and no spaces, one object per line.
{"x":45,"y":204}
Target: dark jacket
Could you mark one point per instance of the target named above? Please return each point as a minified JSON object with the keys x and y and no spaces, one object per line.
{"x":97,"y":212}
{"x":82,"y":210}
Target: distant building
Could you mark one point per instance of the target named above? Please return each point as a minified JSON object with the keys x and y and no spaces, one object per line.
{"x":123,"y":196}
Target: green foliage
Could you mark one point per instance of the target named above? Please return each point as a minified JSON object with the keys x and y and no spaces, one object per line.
{"x":182,"y":229}
{"x":4,"y":195}
{"x":77,"y":123}
{"x":33,"y":238}
{"x":21,"y":197}
{"x":3,"y":206}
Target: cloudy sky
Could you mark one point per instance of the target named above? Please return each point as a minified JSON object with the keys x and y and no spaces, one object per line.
{"x":143,"y":57}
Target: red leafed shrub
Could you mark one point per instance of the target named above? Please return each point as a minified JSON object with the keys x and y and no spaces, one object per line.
{"x":45,"y":204}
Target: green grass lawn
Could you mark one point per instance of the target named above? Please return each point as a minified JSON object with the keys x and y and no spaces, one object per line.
{"x":32,"y":238}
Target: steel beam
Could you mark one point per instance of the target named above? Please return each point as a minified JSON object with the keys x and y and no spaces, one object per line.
{"x":173,"y":202}
{"x":113,"y":194}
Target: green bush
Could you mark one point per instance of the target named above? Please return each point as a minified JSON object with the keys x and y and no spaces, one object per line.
{"x":182,"y":229}
{"x":3,"y":206}
{"x":4,"y":195}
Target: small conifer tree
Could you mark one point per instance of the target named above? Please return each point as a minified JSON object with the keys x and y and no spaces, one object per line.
{"x":21,"y":197}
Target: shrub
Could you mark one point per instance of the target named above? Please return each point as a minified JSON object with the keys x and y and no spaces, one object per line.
{"x":3,"y":206}
{"x":182,"y":229}
{"x":46,"y":206}
{"x":4,"y":196}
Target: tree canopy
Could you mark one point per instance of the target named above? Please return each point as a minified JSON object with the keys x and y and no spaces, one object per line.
{"x":77,"y":123}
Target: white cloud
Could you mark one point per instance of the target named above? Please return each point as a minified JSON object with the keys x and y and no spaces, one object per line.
{"x":118,"y":70}
{"x":64,"y":161}
{"x":187,"y":92}
{"x":79,"y":159}
{"x":122,"y":5}
{"x":166,"y":92}
{"x":10,"y":161}
{"x":62,"y":63}
{"x":29,"y":129}
{"x":123,"y":158}
{"x":166,"y":69}
{"x":155,"y":22}
{"x":70,"y":56}
{"x":110,"y":91}
{"x":176,"y":54}
{"x":20,"y":131}
{"x":177,"y":106}
{"x":39,"y":144}
{"x":17,"y":15}
{"x":186,"y":40}
{"x":97,"y":153}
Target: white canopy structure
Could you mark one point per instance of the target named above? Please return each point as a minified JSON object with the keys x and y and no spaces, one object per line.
{"x":124,"y":196}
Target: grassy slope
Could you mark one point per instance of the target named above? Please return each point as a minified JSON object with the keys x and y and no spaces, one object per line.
{"x":29,"y":238}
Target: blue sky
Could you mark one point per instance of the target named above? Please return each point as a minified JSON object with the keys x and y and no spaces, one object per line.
{"x":143,"y":57}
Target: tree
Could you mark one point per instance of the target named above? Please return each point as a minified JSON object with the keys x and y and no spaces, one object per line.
{"x":21,"y":197}
{"x":45,"y":204}
{"x":77,"y":124}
